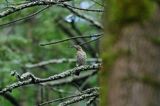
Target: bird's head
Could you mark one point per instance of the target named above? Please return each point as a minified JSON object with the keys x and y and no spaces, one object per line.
{"x":78,"y":47}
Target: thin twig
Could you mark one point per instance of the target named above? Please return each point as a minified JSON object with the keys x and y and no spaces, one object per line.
{"x":55,"y":100}
{"x":59,"y":41}
{"x":97,"y":3}
{"x":90,"y":41}
{"x":71,"y":96}
{"x":59,"y":61}
{"x":79,"y":98}
{"x":92,"y":10}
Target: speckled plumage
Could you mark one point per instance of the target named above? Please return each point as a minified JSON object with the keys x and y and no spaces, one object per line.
{"x":80,"y":56}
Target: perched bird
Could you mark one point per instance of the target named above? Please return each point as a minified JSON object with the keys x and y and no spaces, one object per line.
{"x":80,"y":56}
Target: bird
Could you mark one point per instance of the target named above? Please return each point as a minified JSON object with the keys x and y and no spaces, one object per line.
{"x":80,"y":57}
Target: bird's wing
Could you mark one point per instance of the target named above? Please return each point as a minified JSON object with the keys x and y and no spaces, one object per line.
{"x":81,"y":58}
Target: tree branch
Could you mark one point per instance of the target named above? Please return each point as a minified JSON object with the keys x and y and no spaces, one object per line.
{"x":11,"y":99}
{"x":93,"y":22}
{"x":35,"y":80}
{"x":90,"y":41}
{"x":91,"y":100}
{"x":79,"y":98}
{"x":96,"y":2}
{"x":97,"y":10}
{"x":71,"y":38}
{"x":14,"y":9}
{"x":24,"y":18}
{"x":58,"y":61}
{"x":71,"y":79}
{"x":88,"y":91}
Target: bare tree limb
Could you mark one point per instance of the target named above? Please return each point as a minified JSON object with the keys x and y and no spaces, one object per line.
{"x":71,"y":38}
{"x":91,"y":100}
{"x":92,"y":10}
{"x":35,"y":80}
{"x":88,"y":91}
{"x":11,"y":99}
{"x":58,"y":61}
{"x":90,"y":41}
{"x":71,"y":78}
{"x":79,"y":98}
{"x":24,"y":18}
{"x":14,"y":9}
{"x":93,"y":22}
{"x":97,"y":3}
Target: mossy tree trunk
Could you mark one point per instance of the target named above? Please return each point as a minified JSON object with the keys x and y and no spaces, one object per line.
{"x":130,"y":74}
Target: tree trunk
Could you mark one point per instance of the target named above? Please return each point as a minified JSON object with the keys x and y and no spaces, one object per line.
{"x":130,"y":75}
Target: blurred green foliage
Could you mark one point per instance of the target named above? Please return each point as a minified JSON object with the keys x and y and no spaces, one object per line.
{"x":19,"y":45}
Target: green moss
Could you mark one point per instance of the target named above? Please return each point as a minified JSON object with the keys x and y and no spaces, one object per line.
{"x":150,"y":81}
{"x":109,"y":58}
{"x":155,"y":40}
{"x":120,"y":12}
{"x":145,"y":79}
{"x":107,"y":53}
{"x":104,"y":88}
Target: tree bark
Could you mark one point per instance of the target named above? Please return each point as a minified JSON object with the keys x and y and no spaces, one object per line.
{"x":130,"y":75}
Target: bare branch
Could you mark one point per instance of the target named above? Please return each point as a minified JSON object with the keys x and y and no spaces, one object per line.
{"x":93,"y":22}
{"x":35,"y":80}
{"x":97,"y":3}
{"x":79,"y":98}
{"x":14,"y":9}
{"x":25,"y":18}
{"x":92,"y":10}
{"x":88,"y":91}
{"x":55,"y":42}
{"x":71,"y":78}
{"x":90,"y":40}
{"x":11,"y":99}
{"x":91,"y":100}
{"x":58,"y":61}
